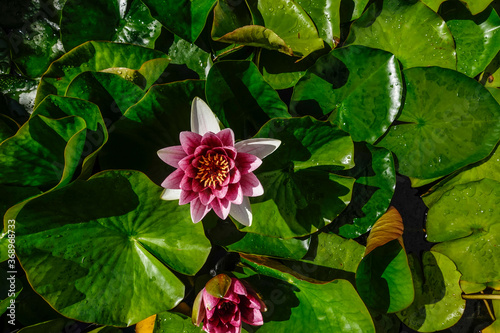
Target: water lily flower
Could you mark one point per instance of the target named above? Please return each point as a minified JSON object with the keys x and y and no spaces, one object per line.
{"x":212,"y":171}
{"x":224,"y":303}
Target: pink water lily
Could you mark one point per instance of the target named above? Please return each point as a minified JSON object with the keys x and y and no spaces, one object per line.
{"x":225,"y":303}
{"x":212,"y":171}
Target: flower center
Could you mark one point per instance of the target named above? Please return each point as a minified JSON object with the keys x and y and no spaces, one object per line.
{"x":212,"y":170}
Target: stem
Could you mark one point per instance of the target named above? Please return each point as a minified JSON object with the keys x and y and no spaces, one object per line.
{"x":489,"y":309}
{"x":497,"y":297}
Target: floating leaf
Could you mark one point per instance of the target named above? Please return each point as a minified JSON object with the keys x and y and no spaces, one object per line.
{"x":438,"y":298}
{"x":107,"y":20}
{"x":392,"y":28}
{"x":438,"y":133}
{"x":184,"y":18}
{"x":301,"y":191}
{"x":326,"y":16}
{"x":172,"y":322}
{"x":383,"y":277}
{"x":477,"y":39}
{"x":297,"y":305}
{"x":111,"y":93}
{"x":466,"y":220}
{"x":189,"y":54}
{"x":146,"y":326}
{"x":336,"y":252}
{"x":362,"y":87}
{"x":20,"y":89}
{"x":44,"y":152}
{"x":92,"y":56}
{"x":241,"y":98}
{"x":90,"y":261}
{"x":229,"y":16}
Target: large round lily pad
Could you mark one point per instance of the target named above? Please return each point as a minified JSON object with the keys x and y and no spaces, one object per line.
{"x":438,"y":133}
{"x":361,"y":88}
{"x":466,"y":220}
{"x":98,"y":250}
{"x":390,"y":26}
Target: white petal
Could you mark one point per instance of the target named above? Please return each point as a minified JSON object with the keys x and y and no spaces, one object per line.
{"x":202,"y":118}
{"x":242,"y":213}
{"x":260,"y":147}
{"x":171,"y":194}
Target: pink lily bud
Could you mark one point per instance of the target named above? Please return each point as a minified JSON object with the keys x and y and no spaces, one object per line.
{"x":225,"y":303}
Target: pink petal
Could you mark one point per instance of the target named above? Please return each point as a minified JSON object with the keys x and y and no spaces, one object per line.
{"x":211,"y":140}
{"x":189,"y":141}
{"x":206,"y":196}
{"x":202,"y":118}
{"x":171,"y":194}
{"x":201,"y":150}
{"x":234,"y":194}
{"x":185,"y":162}
{"x":242,"y":213}
{"x":186,"y":183}
{"x":251,"y":186}
{"x":221,"y":207}
{"x":235,"y":176}
{"x":210,"y":301}
{"x":173,"y":180}
{"x":236,"y":321}
{"x":191,"y":171}
{"x":220,"y":193}
{"x":238,"y":287}
{"x":252,"y":316}
{"x":251,"y":301}
{"x":260,"y":147}
{"x":198,"y":210}
{"x":172,"y":155}
{"x":227,"y":137}
{"x":247,"y":163}
{"x":187,"y":197}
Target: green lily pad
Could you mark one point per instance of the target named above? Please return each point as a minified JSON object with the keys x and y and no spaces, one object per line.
{"x":108,"y":20}
{"x":184,"y":18}
{"x":225,"y":234}
{"x":383,"y":278}
{"x":20,"y":89}
{"x":297,"y":305}
{"x":92,"y":56}
{"x":110,"y":92}
{"x":152,"y":124}
{"x":392,"y":28}
{"x":438,"y":133}
{"x":438,"y":298}
{"x":34,"y":47}
{"x":372,"y":193}
{"x":58,"y":107}
{"x":106,"y":264}
{"x":172,"y":322}
{"x":466,"y":220}
{"x":8,"y":127}
{"x":44,"y":152}
{"x":476,"y":6}
{"x":486,"y":168}
{"x":189,"y":54}
{"x":301,"y":191}
{"x":241,"y":98}
{"x":326,"y":16}
{"x":362,"y":87}
{"x":333,"y":251}
{"x":477,"y":38}
{"x":291,"y":23}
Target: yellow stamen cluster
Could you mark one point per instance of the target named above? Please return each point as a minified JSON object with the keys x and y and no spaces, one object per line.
{"x":212,"y":170}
